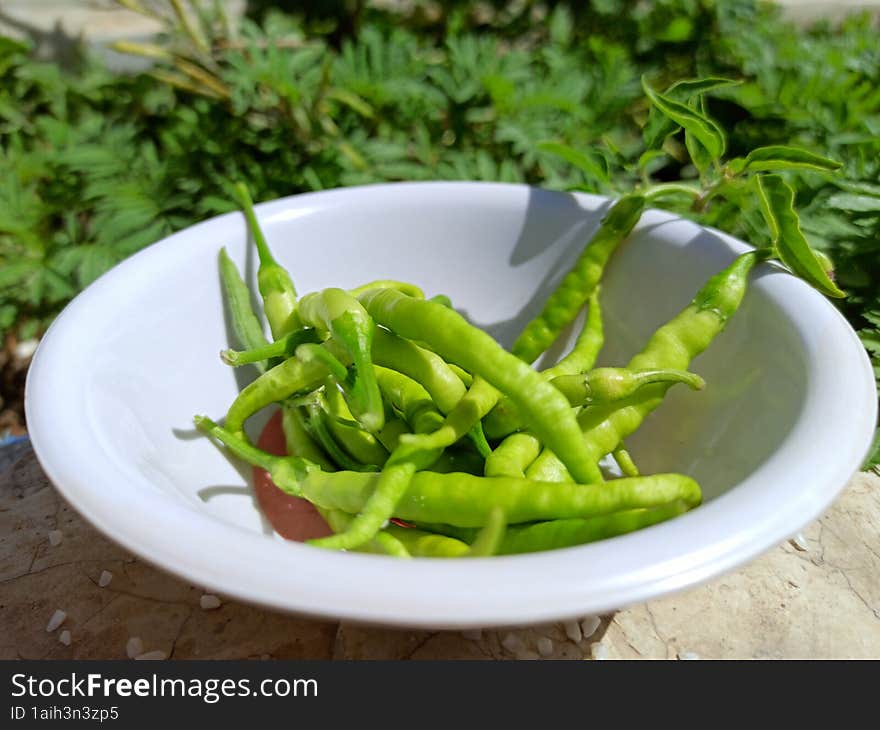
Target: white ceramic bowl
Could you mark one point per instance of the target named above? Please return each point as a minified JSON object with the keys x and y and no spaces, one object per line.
{"x":786,"y":418}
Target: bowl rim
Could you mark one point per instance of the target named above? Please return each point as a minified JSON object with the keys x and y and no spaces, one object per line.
{"x":532,"y":588}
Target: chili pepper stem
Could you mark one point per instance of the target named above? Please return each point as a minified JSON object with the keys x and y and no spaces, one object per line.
{"x":247,"y":205}
{"x":240,"y":448}
{"x":287,"y":472}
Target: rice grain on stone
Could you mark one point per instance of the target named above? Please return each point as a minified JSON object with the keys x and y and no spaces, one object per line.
{"x":56,"y":620}
{"x":133,"y":647}
{"x":589,"y":626}
{"x":573,"y":631}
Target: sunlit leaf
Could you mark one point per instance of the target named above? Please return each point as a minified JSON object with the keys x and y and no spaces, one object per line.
{"x":777,"y":204}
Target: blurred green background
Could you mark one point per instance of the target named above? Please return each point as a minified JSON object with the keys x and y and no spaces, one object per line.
{"x":98,"y":161}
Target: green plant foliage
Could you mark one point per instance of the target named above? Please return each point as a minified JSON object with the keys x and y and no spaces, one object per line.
{"x":94,"y":166}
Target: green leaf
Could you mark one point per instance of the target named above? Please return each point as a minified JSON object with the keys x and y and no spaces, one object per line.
{"x":352,"y":100}
{"x":854,"y":203}
{"x":678,"y":30}
{"x":783,"y":157}
{"x":699,"y":155}
{"x":561,"y":26}
{"x":8,"y":314}
{"x":11,"y":47}
{"x":776,"y":200}
{"x":592,"y":164}
{"x":704,"y":130}
{"x":686,"y":88}
{"x":659,"y":126}
{"x":14,"y":274}
{"x":860,"y":187}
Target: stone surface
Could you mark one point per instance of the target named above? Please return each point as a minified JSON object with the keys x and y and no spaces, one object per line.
{"x":55,"y":27}
{"x":820,"y":603}
{"x":811,"y":11}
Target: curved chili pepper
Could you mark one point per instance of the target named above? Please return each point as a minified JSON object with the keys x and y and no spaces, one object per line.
{"x":276,"y":286}
{"x":625,"y":462}
{"x":404,"y":287}
{"x":579,"y":283}
{"x":461,"y":499}
{"x":290,"y":378}
{"x":513,"y":456}
{"x":555,"y":534}
{"x":362,"y":445}
{"x":463,"y":419}
{"x":673,"y":345}
{"x":587,"y":346}
{"x":342,"y":316}
{"x":602,"y":385}
{"x":606,"y":385}
{"x":282,"y":348}
{"x":543,"y":408}
{"x":245,"y":325}
{"x":420,"y":364}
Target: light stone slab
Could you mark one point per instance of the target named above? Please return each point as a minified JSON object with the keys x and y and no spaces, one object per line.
{"x":820,"y":603}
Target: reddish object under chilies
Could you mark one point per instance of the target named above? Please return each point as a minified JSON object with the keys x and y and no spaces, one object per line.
{"x":291,"y":517}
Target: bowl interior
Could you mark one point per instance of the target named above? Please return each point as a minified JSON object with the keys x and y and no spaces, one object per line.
{"x":143,"y":356}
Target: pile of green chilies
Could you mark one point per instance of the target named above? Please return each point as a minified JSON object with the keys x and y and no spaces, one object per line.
{"x":415,"y":434}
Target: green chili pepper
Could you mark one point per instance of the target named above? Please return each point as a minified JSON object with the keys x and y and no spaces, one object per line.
{"x":275,"y":284}
{"x":409,"y":398}
{"x":299,"y":443}
{"x":400,"y":468}
{"x":319,"y":427}
{"x":489,"y":539}
{"x":245,"y":325}
{"x":311,"y":352}
{"x":543,"y":408}
{"x":483,"y":542}
{"x":462,"y":419}
{"x":555,"y":534}
{"x":587,"y":346}
{"x":463,"y":375}
{"x":465,"y":500}
{"x":579,"y":283}
{"x":606,"y":385}
{"x":513,"y":455}
{"x":674,"y":345}
{"x":411,"y":290}
{"x":602,"y":385}
{"x":627,"y":466}
{"x":384,"y":542}
{"x":504,"y":418}
{"x":395,"y":541}
{"x":478,"y":439}
{"x":461,"y":499}
{"x":363,"y":446}
{"x":425,"y":367}
{"x":442,"y":299}
{"x":547,"y":467}
{"x":343,"y":317}
{"x":290,"y":378}
{"x":298,"y":440}
{"x":281,"y":348}
{"x":454,"y":460}
{"x":376,"y":509}
{"x":423,"y":544}
{"x":391,"y":432}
